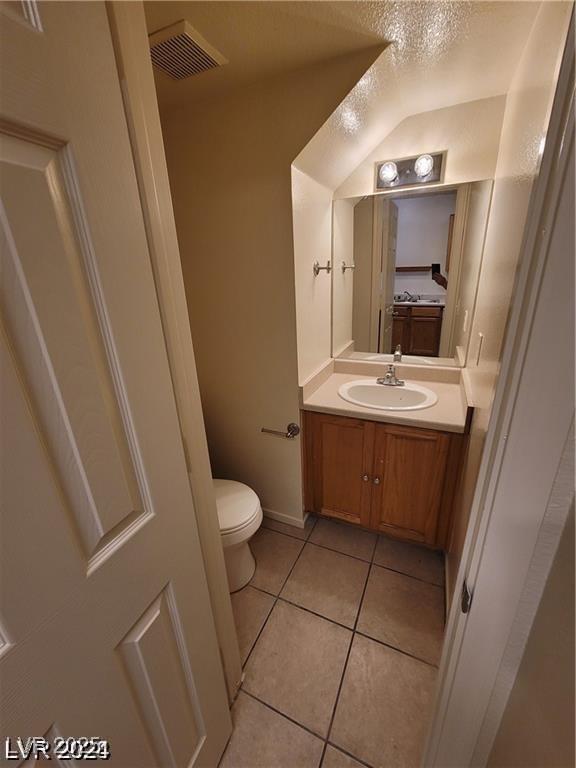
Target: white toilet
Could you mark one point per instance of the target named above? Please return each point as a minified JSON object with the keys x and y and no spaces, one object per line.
{"x":239,"y":515}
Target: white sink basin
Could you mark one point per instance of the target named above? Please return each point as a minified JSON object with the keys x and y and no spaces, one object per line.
{"x":366,"y":392}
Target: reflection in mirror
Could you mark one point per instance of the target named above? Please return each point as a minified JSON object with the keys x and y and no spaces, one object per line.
{"x":416,"y":261}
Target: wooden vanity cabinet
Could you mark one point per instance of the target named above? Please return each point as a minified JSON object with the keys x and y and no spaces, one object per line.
{"x":417,"y":330}
{"x":338,"y":466}
{"x":393,"y":479}
{"x":409,"y":470}
{"x":401,"y":329}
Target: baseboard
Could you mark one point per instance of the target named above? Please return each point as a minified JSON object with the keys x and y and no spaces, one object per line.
{"x":282,"y":518}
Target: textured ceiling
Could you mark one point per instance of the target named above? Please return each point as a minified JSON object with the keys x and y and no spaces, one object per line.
{"x":259,"y":39}
{"x":442,"y":54}
{"x":438,"y":54}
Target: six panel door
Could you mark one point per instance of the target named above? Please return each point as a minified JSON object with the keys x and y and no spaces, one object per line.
{"x":106,"y":627}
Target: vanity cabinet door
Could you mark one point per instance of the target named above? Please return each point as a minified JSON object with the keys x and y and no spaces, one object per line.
{"x":425,"y":330}
{"x":400,"y":332}
{"x":408,"y":481}
{"x":341,"y":460}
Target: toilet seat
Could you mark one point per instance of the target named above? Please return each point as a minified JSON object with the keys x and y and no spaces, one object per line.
{"x":239,"y":511}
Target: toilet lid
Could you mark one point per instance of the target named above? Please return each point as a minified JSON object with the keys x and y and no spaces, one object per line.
{"x":237,"y":504}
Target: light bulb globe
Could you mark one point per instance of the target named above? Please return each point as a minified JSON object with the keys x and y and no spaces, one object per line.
{"x":388,"y":172}
{"x":423,"y":166}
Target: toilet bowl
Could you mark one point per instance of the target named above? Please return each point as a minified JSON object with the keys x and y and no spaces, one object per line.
{"x":239,"y":516}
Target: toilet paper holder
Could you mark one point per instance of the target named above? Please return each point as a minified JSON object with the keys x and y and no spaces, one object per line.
{"x":292,"y":431}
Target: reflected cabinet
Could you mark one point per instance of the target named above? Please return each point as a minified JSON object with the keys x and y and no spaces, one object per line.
{"x":393,"y":479}
{"x":417,"y":330}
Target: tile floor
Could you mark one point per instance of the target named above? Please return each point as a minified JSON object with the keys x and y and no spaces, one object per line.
{"x":340,"y":632}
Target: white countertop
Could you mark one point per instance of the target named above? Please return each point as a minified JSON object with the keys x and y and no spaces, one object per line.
{"x":421,"y":303}
{"x":448,"y":414}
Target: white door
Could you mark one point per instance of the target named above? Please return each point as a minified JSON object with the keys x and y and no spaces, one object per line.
{"x":105,"y":623}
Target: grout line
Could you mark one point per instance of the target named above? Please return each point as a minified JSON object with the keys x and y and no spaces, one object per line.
{"x":257,"y":636}
{"x":276,"y":598}
{"x":264,"y":591}
{"x":409,"y":576}
{"x":283,"y":714}
{"x":314,"y":613}
{"x":375,"y":547}
{"x":345,"y":667}
{"x":337,"y":699}
{"x":292,"y":536}
{"x":395,"y":648}
{"x":355,"y":557}
{"x":323,"y":546}
{"x":353,"y":629}
{"x":349,"y":754}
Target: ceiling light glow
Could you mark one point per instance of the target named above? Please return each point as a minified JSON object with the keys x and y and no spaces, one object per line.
{"x":423,"y":166}
{"x":388,"y":172}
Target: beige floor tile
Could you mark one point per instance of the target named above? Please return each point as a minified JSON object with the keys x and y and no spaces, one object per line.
{"x":344,"y":538}
{"x":328,"y":583}
{"x":384,"y":706}
{"x":290,"y":530}
{"x":264,"y":739}
{"x":412,"y":559}
{"x":405,"y":613}
{"x":251,"y":608}
{"x":275,"y":555}
{"x":333,"y":758}
{"x":297,"y":664}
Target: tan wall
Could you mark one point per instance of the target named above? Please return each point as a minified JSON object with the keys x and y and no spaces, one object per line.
{"x":537,"y":727}
{"x":229,"y":162}
{"x":312,"y":222}
{"x":528,"y":106}
{"x":470,"y":132}
{"x":342,"y":282}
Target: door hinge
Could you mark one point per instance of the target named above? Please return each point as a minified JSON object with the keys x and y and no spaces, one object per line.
{"x":466,"y":597}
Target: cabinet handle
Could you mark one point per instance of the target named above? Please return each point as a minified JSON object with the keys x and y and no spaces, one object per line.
{"x":376,"y":481}
{"x":366,"y":478}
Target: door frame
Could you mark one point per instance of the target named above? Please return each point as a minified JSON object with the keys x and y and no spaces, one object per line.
{"x":130,"y":41}
{"x":483,"y":648}
{"x":447,"y":347}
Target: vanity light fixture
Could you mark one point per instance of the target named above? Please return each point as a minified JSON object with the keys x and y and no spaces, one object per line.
{"x":423,"y":166}
{"x":388,"y":172}
{"x":409,"y":171}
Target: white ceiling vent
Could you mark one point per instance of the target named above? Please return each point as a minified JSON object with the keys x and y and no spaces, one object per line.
{"x":181,"y":51}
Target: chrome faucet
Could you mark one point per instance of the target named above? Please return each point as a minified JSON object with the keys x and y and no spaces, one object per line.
{"x":398,"y":354}
{"x":390,"y":380}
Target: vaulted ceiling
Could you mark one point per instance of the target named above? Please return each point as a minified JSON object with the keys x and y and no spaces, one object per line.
{"x":437,"y":54}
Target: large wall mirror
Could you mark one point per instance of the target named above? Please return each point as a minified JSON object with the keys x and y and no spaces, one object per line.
{"x":405,"y":273}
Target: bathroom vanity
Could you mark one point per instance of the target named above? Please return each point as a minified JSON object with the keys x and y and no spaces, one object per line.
{"x":417,"y":328}
{"x":394,"y":472}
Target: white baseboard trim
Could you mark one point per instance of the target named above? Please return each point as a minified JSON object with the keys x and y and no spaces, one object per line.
{"x":282,"y":518}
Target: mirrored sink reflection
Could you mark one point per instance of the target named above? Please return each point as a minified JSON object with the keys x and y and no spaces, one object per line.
{"x":366,"y":392}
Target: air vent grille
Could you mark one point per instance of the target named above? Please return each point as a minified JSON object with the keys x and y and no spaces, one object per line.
{"x":180,"y":51}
